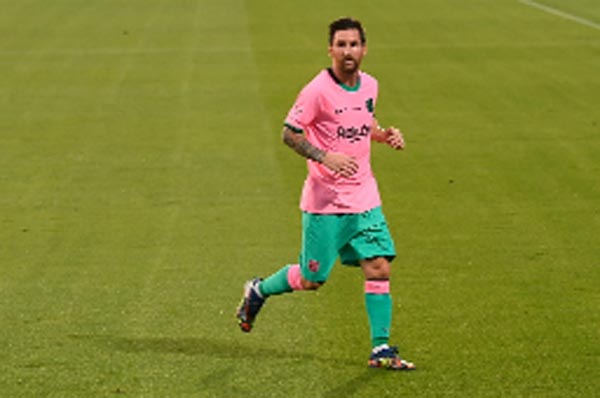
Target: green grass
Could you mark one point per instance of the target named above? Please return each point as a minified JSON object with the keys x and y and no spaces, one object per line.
{"x":143,"y":180}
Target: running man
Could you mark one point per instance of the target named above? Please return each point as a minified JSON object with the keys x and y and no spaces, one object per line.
{"x":332,"y":125}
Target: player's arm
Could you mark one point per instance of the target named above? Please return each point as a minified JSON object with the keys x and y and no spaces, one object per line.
{"x":298,"y":142}
{"x":391,"y":135}
{"x":338,"y":162}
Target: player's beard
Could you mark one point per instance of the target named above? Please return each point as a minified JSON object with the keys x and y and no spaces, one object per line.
{"x":350,"y":67}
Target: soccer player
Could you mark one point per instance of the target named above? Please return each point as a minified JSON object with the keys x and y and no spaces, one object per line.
{"x":332,"y":125}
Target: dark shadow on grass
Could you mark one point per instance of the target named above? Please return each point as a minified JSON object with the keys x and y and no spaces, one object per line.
{"x":223,"y":349}
{"x":202,"y":346}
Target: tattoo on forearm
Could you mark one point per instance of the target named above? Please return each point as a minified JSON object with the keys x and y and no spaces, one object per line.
{"x":300,"y":144}
{"x":306,"y":149}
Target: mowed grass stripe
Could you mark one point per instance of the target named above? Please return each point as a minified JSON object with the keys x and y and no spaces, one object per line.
{"x":174,"y":187}
{"x":146,"y":169}
{"x":118,"y":169}
{"x":476,"y":186}
{"x":33,"y":174}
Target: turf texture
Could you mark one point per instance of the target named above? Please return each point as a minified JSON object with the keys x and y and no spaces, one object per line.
{"x":143,"y":180}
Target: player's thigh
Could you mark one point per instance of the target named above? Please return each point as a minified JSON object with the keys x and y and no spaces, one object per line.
{"x":371,"y":240}
{"x":320,"y":234}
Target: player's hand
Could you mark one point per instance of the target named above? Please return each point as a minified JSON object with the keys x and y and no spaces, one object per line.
{"x":395,"y":138}
{"x":340,"y":163}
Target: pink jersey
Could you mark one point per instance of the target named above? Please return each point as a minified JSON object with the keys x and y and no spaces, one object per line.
{"x":337,"y":118}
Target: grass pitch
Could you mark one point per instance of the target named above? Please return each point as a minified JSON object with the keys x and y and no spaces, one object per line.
{"x":143,"y":180}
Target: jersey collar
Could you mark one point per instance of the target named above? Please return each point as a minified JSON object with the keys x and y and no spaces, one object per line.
{"x":342,"y":85}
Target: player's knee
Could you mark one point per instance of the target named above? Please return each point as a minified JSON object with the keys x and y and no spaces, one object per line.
{"x":310,"y":285}
{"x":376,"y":268}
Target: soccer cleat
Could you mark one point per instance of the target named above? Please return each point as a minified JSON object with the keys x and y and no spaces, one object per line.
{"x":250,"y":305}
{"x":387,"y":358}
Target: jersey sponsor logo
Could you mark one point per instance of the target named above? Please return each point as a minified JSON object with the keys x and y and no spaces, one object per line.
{"x":353,"y":134}
{"x":368,"y":105}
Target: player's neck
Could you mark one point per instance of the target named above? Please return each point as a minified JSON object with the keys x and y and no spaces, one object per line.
{"x":347,"y":79}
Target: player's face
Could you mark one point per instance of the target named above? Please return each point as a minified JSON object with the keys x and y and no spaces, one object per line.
{"x":347,"y":51}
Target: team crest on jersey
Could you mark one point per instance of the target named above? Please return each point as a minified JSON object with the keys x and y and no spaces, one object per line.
{"x":313,"y":265}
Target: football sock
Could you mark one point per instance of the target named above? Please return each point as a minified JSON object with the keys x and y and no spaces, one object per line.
{"x":379,"y":310}
{"x":286,"y":280}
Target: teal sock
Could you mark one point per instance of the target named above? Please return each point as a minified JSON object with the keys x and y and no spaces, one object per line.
{"x":276,"y":283}
{"x":379,"y":310}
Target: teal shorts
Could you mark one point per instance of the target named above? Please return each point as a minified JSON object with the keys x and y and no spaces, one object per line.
{"x":352,"y":237}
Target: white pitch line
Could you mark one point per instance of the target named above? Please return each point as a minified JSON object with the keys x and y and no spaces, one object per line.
{"x":561,"y":14}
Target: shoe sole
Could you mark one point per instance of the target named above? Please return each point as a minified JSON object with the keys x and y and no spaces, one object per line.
{"x":387,"y":365}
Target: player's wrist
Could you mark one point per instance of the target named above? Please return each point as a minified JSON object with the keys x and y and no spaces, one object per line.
{"x":319,"y":155}
{"x":381,"y":134}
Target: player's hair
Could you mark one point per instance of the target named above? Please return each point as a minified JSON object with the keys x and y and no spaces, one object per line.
{"x":346,"y":24}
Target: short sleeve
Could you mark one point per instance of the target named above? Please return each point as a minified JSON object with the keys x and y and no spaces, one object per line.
{"x":303,"y":111}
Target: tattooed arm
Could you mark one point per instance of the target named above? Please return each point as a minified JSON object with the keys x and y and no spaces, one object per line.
{"x":338,"y":162}
{"x":298,"y":142}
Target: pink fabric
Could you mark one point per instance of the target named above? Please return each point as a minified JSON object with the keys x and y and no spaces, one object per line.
{"x":337,"y":120}
{"x":377,"y":287}
{"x":294,"y":277}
